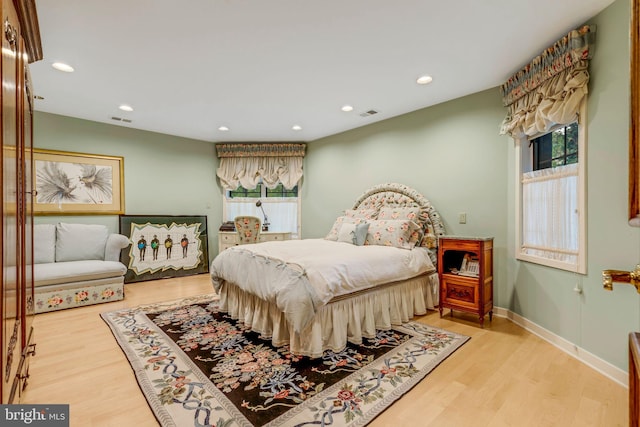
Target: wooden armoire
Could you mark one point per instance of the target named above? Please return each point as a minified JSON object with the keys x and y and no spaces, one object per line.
{"x":20,"y":46}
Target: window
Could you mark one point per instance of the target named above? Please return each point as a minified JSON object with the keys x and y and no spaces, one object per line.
{"x":551,"y":227}
{"x":280,"y":206}
{"x":280,"y":191}
{"x":556,"y":148}
{"x":243,"y":192}
{"x":258,"y":192}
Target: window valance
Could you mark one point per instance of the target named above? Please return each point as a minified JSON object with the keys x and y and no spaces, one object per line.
{"x":246,"y":164}
{"x":550,"y":89}
{"x":261,"y":150}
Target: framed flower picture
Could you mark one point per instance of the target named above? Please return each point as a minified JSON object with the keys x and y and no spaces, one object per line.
{"x":69,"y":183}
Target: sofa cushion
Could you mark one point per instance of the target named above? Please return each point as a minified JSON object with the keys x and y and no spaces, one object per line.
{"x":76,"y":242}
{"x":44,"y":243}
{"x":65,"y":272}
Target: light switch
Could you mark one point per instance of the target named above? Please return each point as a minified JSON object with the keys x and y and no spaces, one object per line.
{"x":462,"y":218}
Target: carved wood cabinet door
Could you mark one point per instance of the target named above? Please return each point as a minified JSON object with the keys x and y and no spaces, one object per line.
{"x":16,"y":197}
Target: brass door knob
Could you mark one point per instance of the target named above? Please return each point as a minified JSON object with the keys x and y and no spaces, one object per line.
{"x":620,"y":276}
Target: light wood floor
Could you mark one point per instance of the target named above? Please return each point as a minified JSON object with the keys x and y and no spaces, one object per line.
{"x":503,"y":376}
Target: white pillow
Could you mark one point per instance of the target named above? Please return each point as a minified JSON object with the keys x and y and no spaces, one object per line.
{"x":355,"y":234}
{"x":347,"y":233}
{"x":76,"y":242}
{"x":44,"y":243}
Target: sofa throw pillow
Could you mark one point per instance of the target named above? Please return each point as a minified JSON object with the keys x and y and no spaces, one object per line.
{"x":404,"y":234}
{"x":76,"y":242}
{"x":44,"y":243}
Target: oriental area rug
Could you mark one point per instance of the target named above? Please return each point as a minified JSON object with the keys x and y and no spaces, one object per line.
{"x":198,"y":367}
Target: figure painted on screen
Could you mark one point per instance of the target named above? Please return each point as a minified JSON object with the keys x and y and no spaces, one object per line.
{"x":185,"y":244}
{"x":168,"y":244}
{"x":155,"y":244}
{"x":142,"y":247}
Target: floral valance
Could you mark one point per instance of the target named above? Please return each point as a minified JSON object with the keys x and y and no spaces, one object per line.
{"x":550,"y":89}
{"x":247,"y":164}
{"x":261,"y":150}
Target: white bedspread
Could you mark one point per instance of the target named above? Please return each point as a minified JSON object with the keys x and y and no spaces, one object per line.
{"x":299,"y":276}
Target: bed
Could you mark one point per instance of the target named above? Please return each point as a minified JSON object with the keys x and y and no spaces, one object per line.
{"x":375,"y":268}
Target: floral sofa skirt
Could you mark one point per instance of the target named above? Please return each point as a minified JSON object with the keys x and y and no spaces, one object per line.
{"x":51,"y":298}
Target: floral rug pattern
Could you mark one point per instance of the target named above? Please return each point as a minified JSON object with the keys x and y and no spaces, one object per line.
{"x":198,"y":367}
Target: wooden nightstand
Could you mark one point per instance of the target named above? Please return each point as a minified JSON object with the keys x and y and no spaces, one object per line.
{"x":230,"y":238}
{"x":465,"y":269}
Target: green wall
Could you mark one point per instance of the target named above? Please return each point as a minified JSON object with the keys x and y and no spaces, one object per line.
{"x":453,"y":155}
{"x":163,"y":174}
{"x":596,"y":320}
{"x":606,"y":318}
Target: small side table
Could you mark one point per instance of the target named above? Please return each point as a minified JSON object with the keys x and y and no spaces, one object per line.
{"x":465,"y":270}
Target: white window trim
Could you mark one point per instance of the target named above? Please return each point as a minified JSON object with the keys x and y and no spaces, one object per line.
{"x":523,"y":144}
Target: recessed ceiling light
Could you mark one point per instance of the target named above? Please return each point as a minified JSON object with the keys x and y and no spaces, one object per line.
{"x":296,"y":127}
{"x":424,"y":80}
{"x":347,"y":108}
{"x":61,"y":66}
{"x":223,"y":128}
{"x":125,"y":107}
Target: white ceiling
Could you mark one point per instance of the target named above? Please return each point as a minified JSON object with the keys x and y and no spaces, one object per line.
{"x":259,"y":67}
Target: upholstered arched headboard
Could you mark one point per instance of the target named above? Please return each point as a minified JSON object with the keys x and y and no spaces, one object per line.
{"x":399,"y":195}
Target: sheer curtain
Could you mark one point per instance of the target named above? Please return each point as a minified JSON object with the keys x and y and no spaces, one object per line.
{"x":550,"y":219}
{"x":282,"y":213}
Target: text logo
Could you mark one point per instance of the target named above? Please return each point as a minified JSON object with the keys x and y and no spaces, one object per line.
{"x":34,"y":415}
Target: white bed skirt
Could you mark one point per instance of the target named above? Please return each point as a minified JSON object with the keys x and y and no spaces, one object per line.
{"x":343,"y":319}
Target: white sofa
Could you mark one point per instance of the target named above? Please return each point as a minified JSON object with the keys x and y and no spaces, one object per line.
{"x":76,"y":265}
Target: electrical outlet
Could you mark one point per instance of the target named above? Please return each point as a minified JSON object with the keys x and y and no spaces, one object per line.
{"x":462,"y":218}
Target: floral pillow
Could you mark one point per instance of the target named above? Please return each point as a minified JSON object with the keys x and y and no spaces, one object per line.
{"x":418,"y":215}
{"x":411,"y":213}
{"x":362,"y":213}
{"x":333,"y":233}
{"x":400,"y":233}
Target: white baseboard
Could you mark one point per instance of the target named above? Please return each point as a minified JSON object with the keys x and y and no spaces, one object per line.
{"x":605,"y":368}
